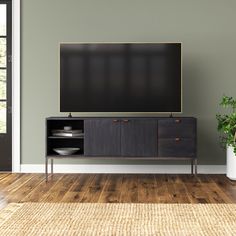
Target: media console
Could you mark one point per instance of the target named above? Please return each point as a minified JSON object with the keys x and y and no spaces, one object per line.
{"x":154,"y":138}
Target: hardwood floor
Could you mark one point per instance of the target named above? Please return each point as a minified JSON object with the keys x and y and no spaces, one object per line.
{"x":115,"y":188}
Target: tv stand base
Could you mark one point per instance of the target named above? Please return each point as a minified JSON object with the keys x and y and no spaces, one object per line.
{"x":123,"y":138}
{"x":50,"y":163}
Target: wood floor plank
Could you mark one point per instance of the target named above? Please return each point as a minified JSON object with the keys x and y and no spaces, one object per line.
{"x":112,"y":189}
{"x":3,"y":175}
{"x":37,"y":194}
{"x":129,"y":191}
{"x":130,"y":188}
{"x":210,"y":188}
{"x":9,"y":180}
{"x":197,"y":192}
{"x":163,"y":195}
{"x":18,"y":183}
{"x":170,"y":183}
{"x":58,"y":190}
{"x":78,"y":189}
{"x":26,"y":188}
{"x":179,"y":192}
{"x":195,"y":188}
{"x":227,"y":186}
{"x":147,"y":189}
{"x":95,"y":189}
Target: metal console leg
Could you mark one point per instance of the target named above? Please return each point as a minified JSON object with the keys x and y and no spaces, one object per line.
{"x":195,"y":161}
{"x":46,"y":169}
{"x":52,"y":167}
{"x":192,"y":166}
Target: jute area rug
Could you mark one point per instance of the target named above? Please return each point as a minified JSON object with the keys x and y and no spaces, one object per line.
{"x":117,"y":219}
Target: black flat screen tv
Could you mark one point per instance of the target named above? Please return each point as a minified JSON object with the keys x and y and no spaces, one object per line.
{"x":120,"y":77}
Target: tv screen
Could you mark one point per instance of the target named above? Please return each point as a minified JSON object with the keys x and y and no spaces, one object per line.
{"x":120,"y":77}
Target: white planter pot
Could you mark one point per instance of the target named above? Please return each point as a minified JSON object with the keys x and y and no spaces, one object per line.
{"x":231,"y":163}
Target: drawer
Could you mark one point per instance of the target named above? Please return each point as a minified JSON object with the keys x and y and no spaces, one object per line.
{"x":176,"y":147}
{"x":177,"y":127}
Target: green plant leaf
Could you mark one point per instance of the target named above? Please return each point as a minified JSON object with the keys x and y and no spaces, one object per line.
{"x":227,"y":122}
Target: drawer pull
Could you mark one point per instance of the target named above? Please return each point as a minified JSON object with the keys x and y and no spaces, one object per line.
{"x":177,"y":139}
{"x":125,"y":121}
{"x":115,"y":121}
{"x":177,"y":120}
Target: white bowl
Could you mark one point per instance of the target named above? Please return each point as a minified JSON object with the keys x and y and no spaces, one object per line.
{"x":66,"y":151}
{"x":67,"y":128}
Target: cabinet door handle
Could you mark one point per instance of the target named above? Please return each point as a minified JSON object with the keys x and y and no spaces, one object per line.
{"x":177,"y":139}
{"x":115,"y":121}
{"x":177,"y":120}
{"x":125,"y":121}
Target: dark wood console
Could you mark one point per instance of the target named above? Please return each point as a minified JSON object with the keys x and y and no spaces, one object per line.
{"x":128,"y":138}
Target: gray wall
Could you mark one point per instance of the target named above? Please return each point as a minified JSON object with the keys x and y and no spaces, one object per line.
{"x":206,"y":28}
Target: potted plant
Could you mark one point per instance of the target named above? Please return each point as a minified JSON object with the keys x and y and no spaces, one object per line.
{"x":227,"y":126}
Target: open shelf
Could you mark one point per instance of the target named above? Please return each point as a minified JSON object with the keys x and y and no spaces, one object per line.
{"x":65,"y":156}
{"x":58,"y":137}
{"x":64,"y":141}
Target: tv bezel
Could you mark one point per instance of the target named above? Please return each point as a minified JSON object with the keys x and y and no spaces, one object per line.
{"x":121,"y":114}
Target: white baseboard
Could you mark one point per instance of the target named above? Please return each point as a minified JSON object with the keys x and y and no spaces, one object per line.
{"x":123,"y":169}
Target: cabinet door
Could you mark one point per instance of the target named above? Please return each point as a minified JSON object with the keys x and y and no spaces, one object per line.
{"x":102,"y":137}
{"x":139,"y":137}
{"x":176,"y":147}
{"x":177,"y":127}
